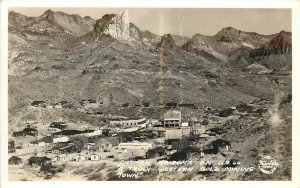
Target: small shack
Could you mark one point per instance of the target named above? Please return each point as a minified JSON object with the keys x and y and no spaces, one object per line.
{"x":79,"y":157}
{"x":14,"y":160}
{"x":94,"y":157}
{"x":34,"y":160}
{"x":156,"y":152}
{"x":11,"y":146}
{"x":30,"y":131}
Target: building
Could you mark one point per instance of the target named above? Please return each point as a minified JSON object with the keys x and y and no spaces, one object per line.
{"x":94,"y":134}
{"x":189,"y":153}
{"x":18,"y":133}
{"x":184,"y":124}
{"x":11,"y":147}
{"x":79,"y":157}
{"x":130,"y":122}
{"x":14,"y":160}
{"x":63,"y":148}
{"x":135,"y":145}
{"x":172,"y":118}
{"x":156,"y":152}
{"x":94,"y":157}
{"x":60,"y":139}
{"x":59,"y":158}
{"x":38,"y":103}
{"x":30,"y":131}
{"x":187,"y":105}
{"x":58,"y":125}
{"x":34,"y":160}
{"x":220,"y":145}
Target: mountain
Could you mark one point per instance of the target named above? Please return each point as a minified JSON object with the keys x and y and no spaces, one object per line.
{"x":117,"y":26}
{"x":50,"y":24}
{"x":69,"y":57}
{"x":226,"y":41}
{"x":280,"y":44}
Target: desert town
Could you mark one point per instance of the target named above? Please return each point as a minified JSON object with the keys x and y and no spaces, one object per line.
{"x":51,"y":147}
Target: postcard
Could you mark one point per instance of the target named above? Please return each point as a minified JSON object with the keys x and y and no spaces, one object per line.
{"x":149,"y":93}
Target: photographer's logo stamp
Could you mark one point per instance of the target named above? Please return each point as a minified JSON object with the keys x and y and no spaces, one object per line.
{"x":267,"y":165}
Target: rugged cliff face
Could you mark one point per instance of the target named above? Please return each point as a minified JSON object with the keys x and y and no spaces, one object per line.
{"x":117,"y":26}
{"x":281,"y":44}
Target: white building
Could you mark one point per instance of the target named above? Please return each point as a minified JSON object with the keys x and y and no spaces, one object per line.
{"x":79,"y":157}
{"x":95,"y":157}
{"x":95,"y":133}
{"x":135,"y":145}
{"x":60,"y":139}
{"x":130,"y":122}
{"x":172,"y":118}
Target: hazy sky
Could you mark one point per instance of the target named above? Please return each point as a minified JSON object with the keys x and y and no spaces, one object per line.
{"x":189,"y":21}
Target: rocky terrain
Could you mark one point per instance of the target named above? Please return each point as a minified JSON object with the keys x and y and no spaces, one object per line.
{"x":59,"y":57}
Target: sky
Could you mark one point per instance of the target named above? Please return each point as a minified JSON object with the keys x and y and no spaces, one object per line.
{"x":189,"y":21}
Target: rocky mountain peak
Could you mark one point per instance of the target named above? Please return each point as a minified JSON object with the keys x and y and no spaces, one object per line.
{"x":116,"y":25}
{"x":72,"y":24}
{"x":281,"y":44}
{"x":281,"y":40}
{"x":229,"y":30}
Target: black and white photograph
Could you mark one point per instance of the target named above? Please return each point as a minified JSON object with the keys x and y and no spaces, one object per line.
{"x":149,"y":94}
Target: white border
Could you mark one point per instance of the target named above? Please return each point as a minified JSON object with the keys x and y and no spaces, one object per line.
{"x":293,"y":4}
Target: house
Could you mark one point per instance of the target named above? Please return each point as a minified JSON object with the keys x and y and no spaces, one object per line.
{"x":39,"y":143}
{"x":68,"y":132}
{"x":171,"y":105}
{"x":156,"y":152}
{"x":89,"y":146}
{"x":95,"y":157}
{"x":106,"y":132}
{"x":172,"y":118}
{"x":58,"y":125}
{"x":59,"y":158}
{"x":135,"y":145}
{"x":63,"y":148}
{"x":49,"y":169}
{"x":184,"y":124}
{"x":30,"y":131}
{"x":94,"y":133}
{"x":60,"y":139}
{"x":79,"y":157}
{"x":18,"y":133}
{"x":192,"y":153}
{"x":38,"y":103}
{"x":34,"y":160}
{"x":220,"y":145}
{"x":142,"y":122}
{"x":92,"y":101}
{"x":216,"y":130}
{"x":189,"y":153}
{"x":187,"y":105}
{"x":11,"y":147}
{"x":56,"y":159}
{"x":14,"y":160}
